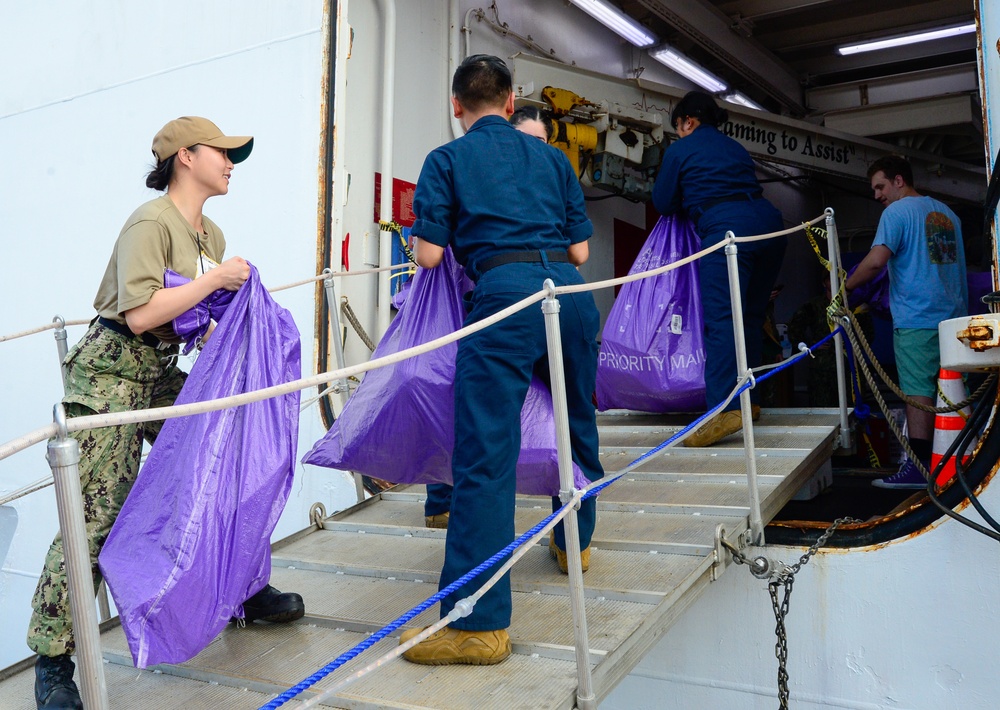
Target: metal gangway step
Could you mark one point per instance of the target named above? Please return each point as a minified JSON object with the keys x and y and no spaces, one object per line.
{"x":655,"y":550}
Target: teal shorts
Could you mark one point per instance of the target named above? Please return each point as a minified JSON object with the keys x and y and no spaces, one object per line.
{"x":918,"y":358}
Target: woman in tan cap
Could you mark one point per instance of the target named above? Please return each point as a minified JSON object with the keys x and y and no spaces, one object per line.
{"x":125,"y":362}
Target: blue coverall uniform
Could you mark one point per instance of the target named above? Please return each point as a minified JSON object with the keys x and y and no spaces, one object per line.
{"x":712,"y":178}
{"x":496,"y":191}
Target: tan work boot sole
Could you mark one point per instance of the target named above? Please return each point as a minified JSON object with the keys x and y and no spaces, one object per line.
{"x":563,"y":560}
{"x":719,"y":427}
{"x":439,"y":521}
{"x":454,"y":646}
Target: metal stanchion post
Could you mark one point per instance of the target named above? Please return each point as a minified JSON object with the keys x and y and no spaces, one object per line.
{"x":343,"y":387}
{"x":61,"y":348}
{"x":64,"y":459}
{"x":103,"y":604}
{"x":833,"y":249}
{"x":585,"y":699}
{"x":756,"y":522}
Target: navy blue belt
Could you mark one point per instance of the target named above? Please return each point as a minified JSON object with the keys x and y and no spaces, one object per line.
{"x":698,"y":210}
{"x":522,"y":257}
{"x":125,"y":331}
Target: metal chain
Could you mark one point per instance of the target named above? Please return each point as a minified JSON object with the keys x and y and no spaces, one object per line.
{"x":784,"y":577}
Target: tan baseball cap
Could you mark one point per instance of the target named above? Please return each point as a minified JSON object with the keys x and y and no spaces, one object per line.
{"x":187,"y":131}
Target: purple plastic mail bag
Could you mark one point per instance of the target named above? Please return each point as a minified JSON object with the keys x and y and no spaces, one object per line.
{"x":399,"y":425}
{"x":652,"y":357}
{"x":192,"y":541}
{"x":192,"y":325}
{"x":875,"y":293}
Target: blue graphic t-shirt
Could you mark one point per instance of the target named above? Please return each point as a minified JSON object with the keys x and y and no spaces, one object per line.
{"x":927,"y":281}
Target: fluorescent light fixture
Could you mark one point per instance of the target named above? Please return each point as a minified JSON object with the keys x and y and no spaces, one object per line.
{"x":907,"y":39}
{"x":617,"y":21}
{"x":688,"y":69}
{"x":737,"y":98}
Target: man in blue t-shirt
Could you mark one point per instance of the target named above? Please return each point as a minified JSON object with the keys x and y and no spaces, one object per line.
{"x":920,"y":239}
{"x":512,"y":211}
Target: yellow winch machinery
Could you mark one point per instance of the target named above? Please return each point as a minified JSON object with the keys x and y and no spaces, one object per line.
{"x":610,"y":146}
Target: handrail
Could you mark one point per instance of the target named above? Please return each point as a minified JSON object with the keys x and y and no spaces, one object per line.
{"x":362,"y":272}
{"x":518,"y":548}
{"x":70,"y":505}
{"x":276,"y":289}
{"x":40,"y":329}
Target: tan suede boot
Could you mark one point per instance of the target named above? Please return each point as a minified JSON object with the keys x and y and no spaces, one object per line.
{"x":454,"y":646}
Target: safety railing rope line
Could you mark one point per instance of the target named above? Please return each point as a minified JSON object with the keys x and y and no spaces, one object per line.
{"x":276,"y":289}
{"x":535,"y":532}
{"x":519,"y":547}
{"x":137,"y":416}
{"x":355,"y":322}
{"x":860,"y":341}
{"x":608,"y":283}
{"x":785,"y":232}
{"x":375,"y":270}
{"x":95,"y":421}
{"x":41,"y":329}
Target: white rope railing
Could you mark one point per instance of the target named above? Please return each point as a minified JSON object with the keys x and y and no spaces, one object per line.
{"x":609,"y":283}
{"x":63,"y":426}
{"x":785,"y":232}
{"x":41,"y":329}
{"x":375,"y":270}
{"x":95,"y":421}
{"x":467,"y":602}
{"x":276,"y":289}
{"x":577,"y":496}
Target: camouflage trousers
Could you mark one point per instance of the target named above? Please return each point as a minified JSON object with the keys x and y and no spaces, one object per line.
{"x":105,"y":372}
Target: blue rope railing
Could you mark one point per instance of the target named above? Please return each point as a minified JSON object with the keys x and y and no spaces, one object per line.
{"x":591,"y":491}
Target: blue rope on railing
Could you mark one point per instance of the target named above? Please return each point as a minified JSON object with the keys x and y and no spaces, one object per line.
{"x":336,"y":663}
{"x":415,"y":611}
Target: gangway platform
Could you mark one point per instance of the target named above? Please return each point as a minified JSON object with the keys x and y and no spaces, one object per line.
{"x":654,"y":553}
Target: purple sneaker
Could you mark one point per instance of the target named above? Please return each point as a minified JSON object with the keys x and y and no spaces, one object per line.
{"x":908,"y":477}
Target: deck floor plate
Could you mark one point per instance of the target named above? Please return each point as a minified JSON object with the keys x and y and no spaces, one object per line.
{"x":653,"y":554}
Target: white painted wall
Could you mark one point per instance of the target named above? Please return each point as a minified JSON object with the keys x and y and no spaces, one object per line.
{"x":93,"y":84}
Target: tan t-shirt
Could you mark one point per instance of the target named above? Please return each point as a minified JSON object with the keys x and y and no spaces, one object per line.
{"x":155,"y":237}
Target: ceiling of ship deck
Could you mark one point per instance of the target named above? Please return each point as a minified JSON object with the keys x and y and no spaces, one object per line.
{"x":783,"y":55}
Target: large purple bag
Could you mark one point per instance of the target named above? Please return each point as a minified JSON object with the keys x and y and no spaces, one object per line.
{"x":399,"y":425}
{"x":875,"y":293}
{"x":192,"y":541}
{"x":192,"y":325}
{"x":652,"y":357}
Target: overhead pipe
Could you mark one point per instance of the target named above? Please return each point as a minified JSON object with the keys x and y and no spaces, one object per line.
{"x":458,"y":50}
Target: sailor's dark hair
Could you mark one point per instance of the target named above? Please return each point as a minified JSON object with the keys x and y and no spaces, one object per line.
{"x":481,"y":80}
{"x":698,"y":104}
{"x":892,"y":165}
{"x":532,"y":113}
{"x":159,"y":177}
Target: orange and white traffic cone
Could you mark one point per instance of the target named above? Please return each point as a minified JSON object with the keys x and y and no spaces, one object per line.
{"x":951,"y":390}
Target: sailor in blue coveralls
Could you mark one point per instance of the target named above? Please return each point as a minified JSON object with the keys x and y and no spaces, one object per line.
{"x":512,"y":211}
{"x":712,"y":178}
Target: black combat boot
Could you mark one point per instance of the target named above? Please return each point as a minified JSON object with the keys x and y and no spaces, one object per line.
{"x":271,"y":605}
{"x":54,"y":686}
